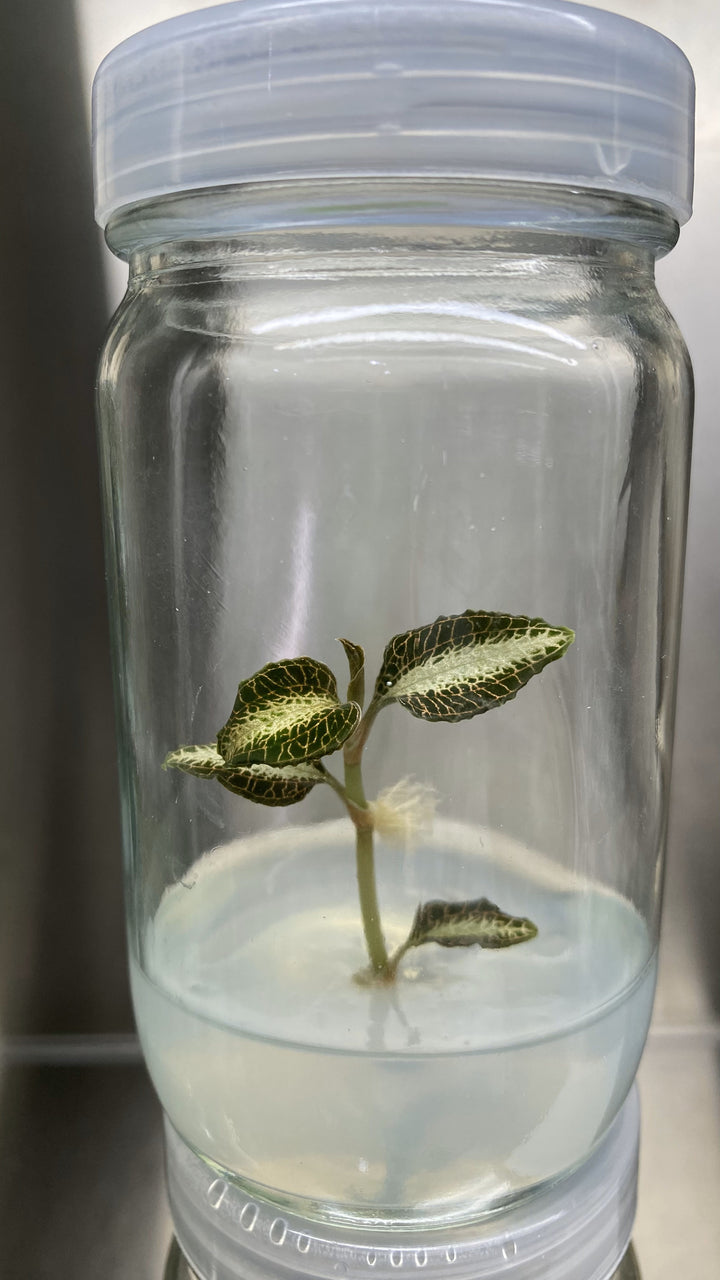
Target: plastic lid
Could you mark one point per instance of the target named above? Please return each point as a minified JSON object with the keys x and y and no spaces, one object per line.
{"x":575,"y":1229}
{"x":529,"y":90}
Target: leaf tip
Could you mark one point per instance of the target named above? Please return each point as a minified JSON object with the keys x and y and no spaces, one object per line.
{"x":355,"y":655}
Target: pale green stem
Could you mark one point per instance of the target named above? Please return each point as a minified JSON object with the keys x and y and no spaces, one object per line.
{"x":365,"y":869}
{"x":335,"y":783}
{"x":353,"y":797}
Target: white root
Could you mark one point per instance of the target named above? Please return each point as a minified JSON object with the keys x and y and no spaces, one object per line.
{"x":404,"y":811}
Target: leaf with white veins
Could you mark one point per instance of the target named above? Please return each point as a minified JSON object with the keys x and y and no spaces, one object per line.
{"x":287,"y":713}
{"x":202,"y":762}
{"x":465,"y":924}
{"x":468,"y":663}
{"x":272,"y":784}
{"x":263,"y":783}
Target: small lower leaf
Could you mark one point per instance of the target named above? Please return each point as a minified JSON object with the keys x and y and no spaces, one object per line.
{"x":263,"y":783}
{"x":478,"y":923}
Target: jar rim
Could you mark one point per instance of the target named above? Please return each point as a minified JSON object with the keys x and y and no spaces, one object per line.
{"x":439,"y":214}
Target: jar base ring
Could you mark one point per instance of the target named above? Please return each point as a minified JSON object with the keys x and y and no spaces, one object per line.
{"x":576,"y":1229}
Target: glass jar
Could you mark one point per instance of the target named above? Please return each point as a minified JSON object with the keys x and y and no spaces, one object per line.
{"x":393,"y":964}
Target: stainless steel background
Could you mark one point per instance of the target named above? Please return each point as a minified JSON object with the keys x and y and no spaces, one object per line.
{"x":79,"y":1148}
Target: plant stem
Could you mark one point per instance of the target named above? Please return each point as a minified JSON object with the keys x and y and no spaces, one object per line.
{"x":355,"y":745}
{"x":353,"y":797}
{"x":365,"y":867}
{"x":370,"y":911}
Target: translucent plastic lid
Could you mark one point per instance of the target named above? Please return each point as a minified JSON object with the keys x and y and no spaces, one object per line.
{"x":530,"y":90}
{"x":575,"y":1229}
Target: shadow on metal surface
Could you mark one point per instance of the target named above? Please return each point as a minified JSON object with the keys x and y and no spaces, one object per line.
{"x":62,"y":958}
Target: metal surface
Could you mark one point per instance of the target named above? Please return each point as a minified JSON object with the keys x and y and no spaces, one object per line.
{"x":62,"y":965}
{"x":81,"y":1174}
{"x":81,"y":1171}
{"x":628,"y":1269}
{"x":677,"y":1232}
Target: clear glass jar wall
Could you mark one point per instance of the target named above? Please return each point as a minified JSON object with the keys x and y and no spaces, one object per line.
{"x":347,"y":430}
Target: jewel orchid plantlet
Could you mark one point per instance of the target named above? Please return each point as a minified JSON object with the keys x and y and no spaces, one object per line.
{"x":288,"y":717}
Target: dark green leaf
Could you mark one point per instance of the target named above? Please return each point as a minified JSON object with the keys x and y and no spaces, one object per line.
{"x":466,"y":924}
{"x":287,"y":713}
{"x":265,"y":784}
{"x":463,"y":665}
{"x":271,"y":784}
